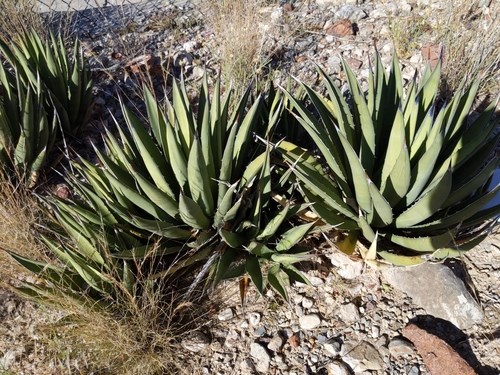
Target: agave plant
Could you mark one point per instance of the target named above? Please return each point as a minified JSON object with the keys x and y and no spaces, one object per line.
{"x":91,"y":260}
{"x":27,"y":132}
{"x":65,"y":78}
{"x":197,"y":185}
{"x":405,"y":166}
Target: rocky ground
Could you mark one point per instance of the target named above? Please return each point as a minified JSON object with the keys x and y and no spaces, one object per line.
{"x":352,"y":319}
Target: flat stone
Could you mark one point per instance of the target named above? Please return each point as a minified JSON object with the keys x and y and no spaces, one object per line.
{"x":364,"y":357}
{"x":348,"y":313}
{"x":226,"y":314}
{"x":351,"y":12}
{"x":438,"y":356}
{"x":399,"y":347}
{"x":307,"y":303}
{"x":254,"y":318}
{"x":196,"y":342}
{"x":332,"y":347}
{"x":337,"y":368}
{"x":335,"y":2}
{"x":345,"y":266}
{"x":247,"y":367}
{"x":310,"y":321}
{"x":436,"y":289}
{"x":260,"y":356}
{"x":342,"y":27}
{"x":276,"y":343}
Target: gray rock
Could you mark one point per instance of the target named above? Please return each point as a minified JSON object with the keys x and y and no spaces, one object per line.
{"x":260,"y":356}
{"x":436,"y":289}
{"x":226,"y":314}
{"x":348,"y":313}
{"x":260,"y":331}
{"x":196,"y":342}
{"x":332,"y":347}
{"x":399,"y":347}
{"x":414,"y":371}
{"x":182,"y":59}
{"x":364,"y":357}
{"x":337,"y":368}
{"x":276,"y":343}
{"x":316,"y":281}
{"x":254,"y":318}
{"x":247,"y":367}
{"x":198,"y":72}
{"x":310,"y":321}
{"x":375,"y":331}
{"x":307,"y":303}
{"x":346,"y":268}
{"x":351,"y":12}
{"x":191,"y":46}
{"x":335,"y":2}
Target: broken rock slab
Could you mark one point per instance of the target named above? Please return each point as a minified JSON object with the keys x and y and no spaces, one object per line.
{"x":363,"y":357}
{"x":438,"y":356}
{"x":436,"y":289}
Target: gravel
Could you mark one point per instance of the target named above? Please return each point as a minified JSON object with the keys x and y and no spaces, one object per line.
{"x":350,"y":319}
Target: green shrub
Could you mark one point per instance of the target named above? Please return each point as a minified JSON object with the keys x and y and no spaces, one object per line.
{"x":413,"y":170}
{"x":27,"y":132}
{"x":65,"y":78}
{"x":197,"y":189}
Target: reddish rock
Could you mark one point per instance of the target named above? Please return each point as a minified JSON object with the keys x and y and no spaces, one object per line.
{"x":62,"y":191}
{"x":300,"y":58}
{"x":294,"y":341}
{"x":340,"y":28}
{"x":354,"y":63}
{"x":431,"y":53}
{"x":438,"y":356}
{"x":287,"y":7}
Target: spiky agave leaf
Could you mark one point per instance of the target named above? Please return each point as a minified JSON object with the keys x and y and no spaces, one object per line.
{"x":27,"y":132}
{"x":401,"y":165}
{"x":197,"y":182}
{"x":64,"y":76}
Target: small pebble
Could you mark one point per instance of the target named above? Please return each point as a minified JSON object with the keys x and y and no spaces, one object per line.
{"x":307,"y":303}
{"x":261,"y":357}
{"x":254,"y":318}
{"x":226,"y":314}
{"x":399,"y":347}
{"x":276,"y":343}
{"x":310,"y":321}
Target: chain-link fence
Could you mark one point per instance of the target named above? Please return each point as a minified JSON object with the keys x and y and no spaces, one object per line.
{"x":97,"y":16}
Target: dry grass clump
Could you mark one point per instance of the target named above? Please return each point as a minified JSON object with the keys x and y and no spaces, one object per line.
{"x":238,"y":38}
{"x":129,"y":333}
{"x":138,"y":336}
{"x":470,"y":36}
{"x":18,"y":17}
{"x":19,"y":217}
{"x":407,"y":33}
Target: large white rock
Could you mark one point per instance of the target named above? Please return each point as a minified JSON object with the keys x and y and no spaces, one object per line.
{"x":261,"y":357}
{"x":436,"y":289}
{"x":346,"y":267}
{"x":310,"y":321}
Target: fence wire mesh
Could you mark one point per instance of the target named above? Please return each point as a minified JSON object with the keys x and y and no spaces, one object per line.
{"x":94,"y":17}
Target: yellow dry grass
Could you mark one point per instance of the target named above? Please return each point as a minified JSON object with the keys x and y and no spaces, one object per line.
{"x":139,"y":336}
{"x":238,"y":38}
{"x":19,"y":16}
{"x":19,"y":217}
{"x":468,"y":34}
